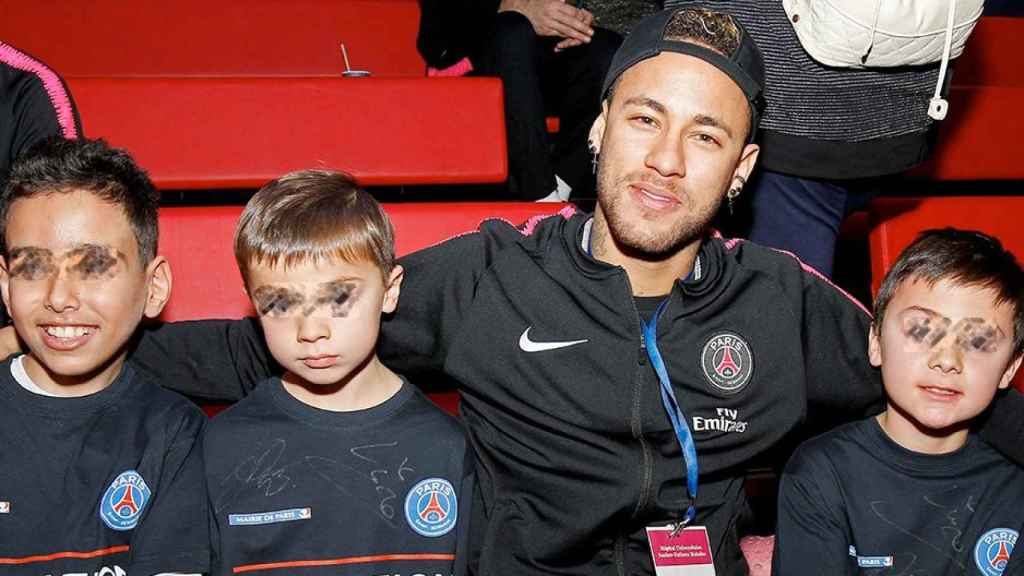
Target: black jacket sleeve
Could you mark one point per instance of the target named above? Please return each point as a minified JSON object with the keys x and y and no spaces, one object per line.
{"x":437,"y":291}
{"x":1003,"y":427}
{"x":811,"y":535}
{"x":841,"y":383}
{"x":219,"y":360}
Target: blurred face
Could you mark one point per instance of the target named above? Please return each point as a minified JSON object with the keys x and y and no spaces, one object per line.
{"x":76,"y":289}
{"x":672,"y":142}
{"x":321,"y":321}
{"x":944,"y":350}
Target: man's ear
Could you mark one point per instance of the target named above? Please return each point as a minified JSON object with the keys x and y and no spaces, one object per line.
{"x":158,"y":286}
{"x":745,"y":165}
{"x":874,"y":347}
{"x":1010,"y":372}
{"x":5,"y":281}
{"x":597,"y":128}
{"x":392,"y":288}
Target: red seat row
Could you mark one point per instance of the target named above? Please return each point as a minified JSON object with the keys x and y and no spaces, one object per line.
{"x":145,"y":38}
{"x":241,"y":132}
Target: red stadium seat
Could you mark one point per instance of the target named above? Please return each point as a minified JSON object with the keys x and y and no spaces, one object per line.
{"x":895,"y":222}
{"x":242,"y":132}
{"x":198,"y":38}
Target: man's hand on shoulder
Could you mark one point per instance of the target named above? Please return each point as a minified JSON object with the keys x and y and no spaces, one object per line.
{"x":555,"y":18}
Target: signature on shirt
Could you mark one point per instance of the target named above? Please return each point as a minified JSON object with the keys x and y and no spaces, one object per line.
{"x":941,"y":532}
{"x":369,"y":473}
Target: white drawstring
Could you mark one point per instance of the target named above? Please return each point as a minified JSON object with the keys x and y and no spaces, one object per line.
{"x":939,"y":106}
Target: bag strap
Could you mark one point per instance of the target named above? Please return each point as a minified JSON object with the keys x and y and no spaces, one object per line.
{"x":938,"y":106}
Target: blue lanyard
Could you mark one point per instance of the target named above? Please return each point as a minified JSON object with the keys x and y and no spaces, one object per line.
{"x":675,"y":414}
{"x":668,"y":399}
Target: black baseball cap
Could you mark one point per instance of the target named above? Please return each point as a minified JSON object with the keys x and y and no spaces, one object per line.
{"x":744,"y":65}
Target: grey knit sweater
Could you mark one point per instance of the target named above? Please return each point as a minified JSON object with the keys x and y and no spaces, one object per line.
{"x":831,"y":122}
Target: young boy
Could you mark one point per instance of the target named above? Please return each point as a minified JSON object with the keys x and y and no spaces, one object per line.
{"x":101,"y":470}
{"x":340,"y":466}
{"x":913,"y":490}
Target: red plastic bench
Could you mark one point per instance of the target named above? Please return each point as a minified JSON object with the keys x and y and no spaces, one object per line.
{"x":241,"y":132}
{"x":200,"y":38}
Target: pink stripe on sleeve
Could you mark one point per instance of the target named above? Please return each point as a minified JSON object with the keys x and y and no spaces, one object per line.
{"x":51,"y":83}
{"x":733,"y":242}
{"x":529,"y":226}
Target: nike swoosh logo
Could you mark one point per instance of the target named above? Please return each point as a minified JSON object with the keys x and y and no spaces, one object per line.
{"x":527,"y":345}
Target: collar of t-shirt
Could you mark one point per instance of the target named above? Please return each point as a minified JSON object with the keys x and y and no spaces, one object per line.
{"x":21,"y":377}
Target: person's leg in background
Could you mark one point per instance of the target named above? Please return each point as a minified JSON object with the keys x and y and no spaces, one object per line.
{"x":798,"y":215}
{"x":803,"y":215}
{"x":518,"y":56}
{"x":577,"y":78}
{"x":537,"y":81}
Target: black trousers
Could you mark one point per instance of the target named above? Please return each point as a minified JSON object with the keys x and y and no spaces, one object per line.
{"x":539,"y":82}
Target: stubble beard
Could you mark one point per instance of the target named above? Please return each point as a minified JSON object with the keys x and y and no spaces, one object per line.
{"x":631,"y":236}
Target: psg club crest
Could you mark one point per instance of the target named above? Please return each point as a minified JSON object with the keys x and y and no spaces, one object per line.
{"x":431,"y":507}
{"x":992,"y":552}
{"x":728,"y":362}
{"x":125,"y":499}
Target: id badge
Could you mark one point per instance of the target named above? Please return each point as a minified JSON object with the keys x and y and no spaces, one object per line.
{"x":688,"y":553}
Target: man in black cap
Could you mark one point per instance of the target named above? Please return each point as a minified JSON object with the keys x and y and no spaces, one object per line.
{"x":619,"y":372}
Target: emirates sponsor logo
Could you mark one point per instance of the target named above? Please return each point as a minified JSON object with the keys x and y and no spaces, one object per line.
{"x":725,"y":420}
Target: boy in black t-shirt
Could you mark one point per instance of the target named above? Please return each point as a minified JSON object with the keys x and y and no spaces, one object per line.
{"x":913,"y":490}
{"x":340,"y":466}
{"x":101,"y":469}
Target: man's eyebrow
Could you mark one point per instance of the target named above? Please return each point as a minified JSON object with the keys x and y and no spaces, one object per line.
{"x":646,"y":102}
{"x":712,"y":122}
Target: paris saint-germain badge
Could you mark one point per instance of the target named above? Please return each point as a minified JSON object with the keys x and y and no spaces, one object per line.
{"x":728,"y":362}
{"x":125,"y":499}
{"x":992,"y":552}
{"x":431,"y":507}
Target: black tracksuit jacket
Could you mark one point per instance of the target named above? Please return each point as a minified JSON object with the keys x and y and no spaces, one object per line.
{"x":576,"y":454}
